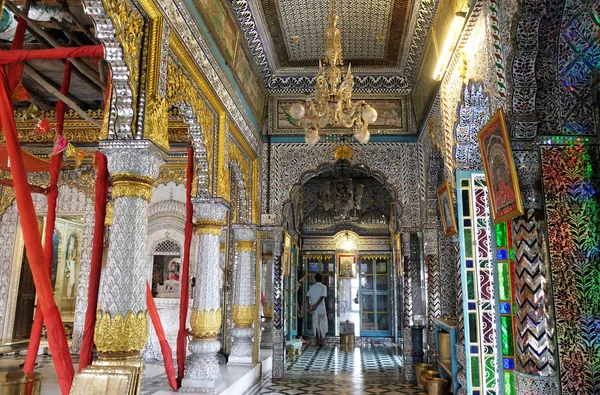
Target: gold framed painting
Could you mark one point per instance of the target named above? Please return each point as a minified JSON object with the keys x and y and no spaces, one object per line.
{"x":500,"y":171}
{"x":346,"y":264}
{"x":447,"y":210}
{"x":287,"y":248}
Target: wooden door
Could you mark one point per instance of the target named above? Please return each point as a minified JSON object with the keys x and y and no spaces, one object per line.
{"x":25,"y":302}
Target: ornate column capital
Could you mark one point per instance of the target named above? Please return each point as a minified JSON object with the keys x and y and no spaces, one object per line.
{"x":242,"y":233}
{"x":209,"y":210}
{"x":139,"y":159}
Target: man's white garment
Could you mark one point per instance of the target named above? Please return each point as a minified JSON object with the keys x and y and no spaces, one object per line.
{"x":314,"y":293}
{"x":320,"y":324}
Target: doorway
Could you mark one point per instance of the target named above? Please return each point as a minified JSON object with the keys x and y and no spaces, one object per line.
{"x":25,"y":302}
{"x":375,"y":295}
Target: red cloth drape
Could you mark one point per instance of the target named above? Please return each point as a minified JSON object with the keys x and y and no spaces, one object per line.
{"x":33,"y":188}
{"x":165,"y":348}
{"x":32,"y":163}
{"x":52,"y":193}
{"x":185,"y":272}
{"x":85,"y":354}
{"x":33,"y":244}
{"x":15,"y":70}
{"x":20,"y":55}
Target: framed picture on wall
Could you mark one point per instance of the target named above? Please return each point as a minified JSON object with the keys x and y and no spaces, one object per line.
{"x":346,"y":265}
{"x":287,"y":247}
{"x":447,"y":210}
{"x":500,"y":172}
{"x":398,"y":255}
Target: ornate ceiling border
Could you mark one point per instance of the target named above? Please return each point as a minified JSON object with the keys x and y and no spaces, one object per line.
{"x":187,"y":29}
{"x":294,"y":81}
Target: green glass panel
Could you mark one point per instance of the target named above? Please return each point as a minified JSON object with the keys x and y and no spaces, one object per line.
{"x":465,"y":183}
{"x":466,"y":203}
{"x":470,"y":285}
{"x":490,"y":374}
{"x":504,"y":280}
{"x":501,"y":235}
{"x":473,"y":328}
{"x":468,"y":243}
{"x":508,"y":342}
{"x":511,"y":253}
{"x":509,"y":384}
{"x":475,"y":372}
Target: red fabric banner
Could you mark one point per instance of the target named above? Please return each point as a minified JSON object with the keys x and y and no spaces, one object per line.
{"x":185,"y":271}
{"x":55,"y":164}
{"x":15,"y":70}
{"x":33,"y":244}
{"x":34,"y":188}
{"x":85,"y":354}
{"x":165,"y":348}
{"x":21,"y":55}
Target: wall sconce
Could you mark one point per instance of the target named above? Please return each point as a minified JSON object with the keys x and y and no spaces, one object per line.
{"x":450,"y":44}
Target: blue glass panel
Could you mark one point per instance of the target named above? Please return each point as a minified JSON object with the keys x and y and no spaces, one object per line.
{"x":474,"y":350}
{"x":502,"y":255}
{"x":504,"y":308}
{"x":469,"y":263}
{"x":467,"y":223}
{"x":509,"y":363}
{"x":472,"y":306}
{"x":476,"y":392}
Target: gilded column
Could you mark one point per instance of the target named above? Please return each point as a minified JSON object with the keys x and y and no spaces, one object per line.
{"x":202,"y":368}
{"x":267,"y":286}
{"x":122,"y":320}
{"x":244,"y":299}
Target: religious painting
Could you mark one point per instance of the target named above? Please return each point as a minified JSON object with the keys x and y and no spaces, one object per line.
{"x":398,"y":255}
{"x":500,"y":173}
{"x":346,"y":265}
{"x":221,"y":25}
{"x":287,"y":248}
{"x":71,"y":266}
{"x":389,"y":114}
{"x":447,"y":210}
{"x":249,"y":82}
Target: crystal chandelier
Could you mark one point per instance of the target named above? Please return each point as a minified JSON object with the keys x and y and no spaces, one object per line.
{"x":332,"y":104}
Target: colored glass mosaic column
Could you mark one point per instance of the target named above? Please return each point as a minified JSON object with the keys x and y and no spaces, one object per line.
{"x":505,"y":268}
{"x":481,"y":338}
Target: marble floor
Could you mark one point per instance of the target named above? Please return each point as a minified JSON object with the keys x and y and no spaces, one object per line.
{"x":375,"y":369}
{"x":330,"y":370}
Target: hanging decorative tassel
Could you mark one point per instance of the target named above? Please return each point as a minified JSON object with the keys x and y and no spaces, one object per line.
{"x":79,"y":155}
{"x":43,"y":126}
{"x":31,"y":112}
{"x":60,"y":143}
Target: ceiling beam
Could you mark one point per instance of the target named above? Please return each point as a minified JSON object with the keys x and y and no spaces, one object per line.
{"x":65,"y":7}
{"x":34,"y":26}
{"x":30,"y":71}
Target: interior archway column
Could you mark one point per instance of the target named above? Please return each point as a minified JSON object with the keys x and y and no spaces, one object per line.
{"x":122,"y":320}
{"x":536,"y":367}
{"x":202,"y":369}
{"x":244,"y":298}
{"x":267,"y":325}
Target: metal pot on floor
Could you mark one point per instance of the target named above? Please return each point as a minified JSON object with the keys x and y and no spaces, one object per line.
{"x":436,"y":386}
{"x":20,"y":383}
{"x":420,"y":368}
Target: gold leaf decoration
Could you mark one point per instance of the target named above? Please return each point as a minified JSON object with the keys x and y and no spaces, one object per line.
{"x":120,"y":335}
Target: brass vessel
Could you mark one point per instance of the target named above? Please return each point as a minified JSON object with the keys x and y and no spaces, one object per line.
{"x":17,"y":383}
{"x":436,"y":386}
{"x":444,"y":346}
{"x":426,"y":374}
{"x":419,"y":368}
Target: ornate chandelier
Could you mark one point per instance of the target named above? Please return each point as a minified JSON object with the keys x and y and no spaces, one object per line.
{"x":332,"y":104}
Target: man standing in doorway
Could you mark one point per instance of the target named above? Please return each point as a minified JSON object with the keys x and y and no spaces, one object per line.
{"x":316,"y":303}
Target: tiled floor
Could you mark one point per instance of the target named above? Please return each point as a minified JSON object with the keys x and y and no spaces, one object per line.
{"x":329,"y":370}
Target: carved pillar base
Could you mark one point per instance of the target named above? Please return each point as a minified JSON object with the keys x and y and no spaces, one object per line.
{"x":527,"y":384}
{"x":242,"y":349}
{"x":202,"y":367}
{"x":266,"y":340}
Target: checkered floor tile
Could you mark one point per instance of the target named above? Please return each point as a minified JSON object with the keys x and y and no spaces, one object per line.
{"x":329,"y":370}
